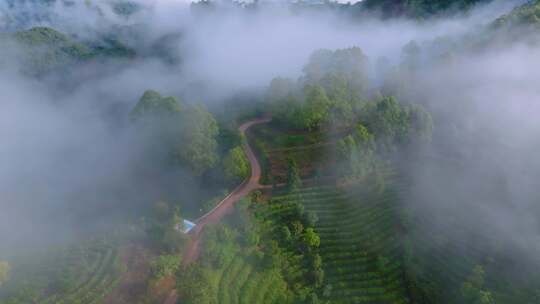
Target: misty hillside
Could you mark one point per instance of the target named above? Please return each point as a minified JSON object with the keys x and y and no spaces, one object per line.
{"x":419,"y":8}
{"x":287,"y":152}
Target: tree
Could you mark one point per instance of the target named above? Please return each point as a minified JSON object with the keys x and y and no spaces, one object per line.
{"x":298,"y":210}
{"x":165,"y":265}
{"x":357,"y":153}
{"x":383,"y":264}
{"x":349,"y":64}
{"x":421,"y":122}
{"x":153,"y":106}
{"x":313,"y":299}
{"x":4,"y":272}
{"x":316,"y":262}
{"x":388,"y":121}
{"x":195,"y":283}
{"x":333,"y":84}
{"x":162,"y":227}
{"x":311,"y":238}
{"x":417,"y":8}
{"x":472,"y":289}
{"x":293,"y":177}
{"x":316,"y":107}
{"x":252,"y":237}
{"x":297,"y":228}
{"x":327,"y":291}
{"x":197,"y":146}
{"x":187,"y":133}
{"x":236,"y":165}
{"x":362,"y":136}
{"x":311,"y":218}
{"x":256,"y":196}
{"x":44,"y":49}
{"x":318,"y":276}
{"x":346,"y":146}
{"x":286,"y":233}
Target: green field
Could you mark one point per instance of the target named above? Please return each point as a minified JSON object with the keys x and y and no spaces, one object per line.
{"x":359,"y":244}
{"x":275,"y":147}
{"x":242,"y":282}
{"x":82,"y":274}
{"x":235,"y":273}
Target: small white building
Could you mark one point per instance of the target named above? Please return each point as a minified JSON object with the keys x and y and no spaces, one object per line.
{"x":185,"y":227}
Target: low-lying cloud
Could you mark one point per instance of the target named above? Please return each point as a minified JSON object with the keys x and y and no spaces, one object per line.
{"x":71,"y":148}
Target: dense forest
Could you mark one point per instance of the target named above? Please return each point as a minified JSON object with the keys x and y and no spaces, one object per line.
{"x":303,"y":152}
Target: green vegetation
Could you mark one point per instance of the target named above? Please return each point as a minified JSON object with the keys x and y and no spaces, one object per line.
{"x":233,"y":267}
{"x":165,"y":265}
{"x":43,"y":50}
{"x":333,"y":97}
{"x":276,"y":147}
{"x":84,"y":274}
{"x":419,"y":8}
{"x":331,"y":88}
{"x":472,"y":289}
{"x":393,"y":123}
{"x":328,"y":244}
{"x":292,"y":244}
{"x":293,"y":177}
{"x":331,"y":226}
{"x":334,"y":100}
{"x":125,"y":8}
{"x":161,"y":227}
{"x":236,"y":165}
{"x":527,"y":15}
{"x":153,"y":106}
{"x":187,"y":133}
{"x":359,"y":250}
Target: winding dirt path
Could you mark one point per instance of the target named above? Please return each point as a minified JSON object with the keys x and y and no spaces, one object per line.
{"x":225,"y":206}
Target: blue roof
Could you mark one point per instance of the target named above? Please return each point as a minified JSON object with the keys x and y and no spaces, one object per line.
{"x":188,"y":226}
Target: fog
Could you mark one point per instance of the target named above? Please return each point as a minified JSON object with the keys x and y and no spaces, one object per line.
{"x":68,"y":156}
{"x":488,"y":103}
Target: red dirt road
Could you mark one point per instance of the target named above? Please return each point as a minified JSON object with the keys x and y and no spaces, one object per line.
{"x":226,"y":205}
{"x":172,"y":298}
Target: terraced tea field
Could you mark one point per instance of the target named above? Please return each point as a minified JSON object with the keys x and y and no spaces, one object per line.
{"x":82,"y":274}
{"x":275,"y":147}
{"x":97,"y":279}
{"x":359,"y":243}
{"x":240,"y":282}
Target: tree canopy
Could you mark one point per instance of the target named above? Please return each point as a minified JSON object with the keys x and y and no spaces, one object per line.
{"x":153,"y":106}
{"x":331,"y":87}
{"x":188,"y":132}
{"x":43,"y":49}
{"x":473,"y":288}
{"x":293,"y":176}
{"x":236,"y":165}
{"x":418,"y":8}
